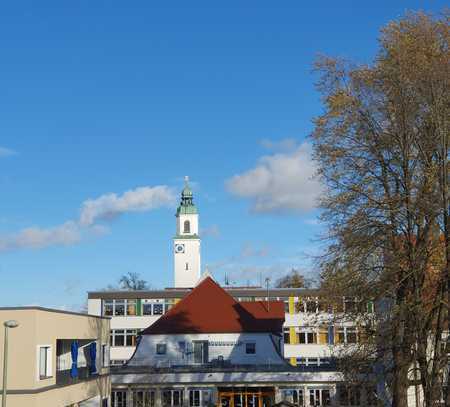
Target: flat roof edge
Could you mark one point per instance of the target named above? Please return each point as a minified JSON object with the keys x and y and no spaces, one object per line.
{"x":58,"y":311}
{"x":177,"y":292}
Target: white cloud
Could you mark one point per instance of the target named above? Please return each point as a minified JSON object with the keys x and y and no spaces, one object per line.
{"x":104,"y":208}
{"x":109,"y":206}
{"x":6,"y":152}
{"x":36,"y":238}
{"x":283,"y":182}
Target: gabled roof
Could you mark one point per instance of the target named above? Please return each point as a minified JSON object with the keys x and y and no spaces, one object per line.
{"x":208,"y":308}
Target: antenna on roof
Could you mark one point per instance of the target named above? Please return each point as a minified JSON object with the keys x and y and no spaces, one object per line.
{"x":268,"y":298}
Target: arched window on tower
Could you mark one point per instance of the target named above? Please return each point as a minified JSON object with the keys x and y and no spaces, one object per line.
{"x":187,"y":227}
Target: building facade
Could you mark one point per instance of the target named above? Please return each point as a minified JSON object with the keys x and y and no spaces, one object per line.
{"x":309,"y":334}
{"x":296,"y":365}
{"x":56,"y":358}
{"x":229,"y":354}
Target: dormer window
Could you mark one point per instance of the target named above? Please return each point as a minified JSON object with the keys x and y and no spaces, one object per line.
{"x":161,"y":348}
{"x":250,"y":348}
{"x":187,"y":227}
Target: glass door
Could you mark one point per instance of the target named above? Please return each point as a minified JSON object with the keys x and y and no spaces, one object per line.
{"x":200,"y":352}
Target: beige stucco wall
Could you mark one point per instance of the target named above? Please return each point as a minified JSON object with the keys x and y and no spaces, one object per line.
{"x":40,"y":327}
{"x":63,"y":396}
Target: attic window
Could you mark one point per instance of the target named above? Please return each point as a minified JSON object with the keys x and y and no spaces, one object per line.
{"x":250,"y":348}
{"x":161,"y":348}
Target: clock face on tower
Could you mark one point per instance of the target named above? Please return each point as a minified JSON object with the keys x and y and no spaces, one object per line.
{"x":179,"y":248}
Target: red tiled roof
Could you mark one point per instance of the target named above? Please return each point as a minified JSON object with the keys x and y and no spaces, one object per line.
{"x":208,"y":308}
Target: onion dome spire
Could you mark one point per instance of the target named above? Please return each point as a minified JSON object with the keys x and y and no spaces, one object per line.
{"x":187,"y":199}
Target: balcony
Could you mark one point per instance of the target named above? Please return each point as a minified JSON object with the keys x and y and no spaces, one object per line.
{"x":64,"y":361}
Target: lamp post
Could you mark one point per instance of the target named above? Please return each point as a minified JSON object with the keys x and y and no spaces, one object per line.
{"x":7,"y":325}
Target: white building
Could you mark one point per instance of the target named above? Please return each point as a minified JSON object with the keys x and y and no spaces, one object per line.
{"x":309,"y":335}
{"x":228,"y":354}
{"x":307,"y":342}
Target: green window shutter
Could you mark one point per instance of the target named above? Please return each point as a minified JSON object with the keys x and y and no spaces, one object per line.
{"x":370,"y":307}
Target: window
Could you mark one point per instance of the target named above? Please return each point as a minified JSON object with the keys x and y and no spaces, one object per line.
{"x":187,"y":227}
{"x":187,"y":266}
{"x":131,"y":307}
{"x":286,"y":335}
{"x":347,"y":335}
{"x":119,"y":308}
{"x":168,"y":304}
{"x":319,"y":397}
{"x":350,"y":305}
{"x":250,"y":348}
{"x":172,"y":398}
{"x":123,"y":337}
{"x":105,"y":355}
{"x":104,"y":402}
{"x":119,"y":398}
{"x":294,"y":396}
{"x":147,"y":309}
{"x":155,"y":307}
{"x":307,"y":337}
{"x":351,"y":335}
{"x":182,"y":348}
{"x":194,"y":398}
{"x":45,"y":362}
{"x":143,"y":398}
{"x":311,"y":306}
{"x":108,"y":307}
{"x":161,"y":348}
{"x":158,"y":309}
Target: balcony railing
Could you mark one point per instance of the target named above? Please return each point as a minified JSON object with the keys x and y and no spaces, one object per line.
{"x":224,"y":367}
{"x":63,"y":376}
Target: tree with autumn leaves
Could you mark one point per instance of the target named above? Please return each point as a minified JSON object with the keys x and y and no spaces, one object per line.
{"x":382,"y":146}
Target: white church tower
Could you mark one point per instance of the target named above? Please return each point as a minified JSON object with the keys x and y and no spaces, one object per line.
{"x":186,"y":241}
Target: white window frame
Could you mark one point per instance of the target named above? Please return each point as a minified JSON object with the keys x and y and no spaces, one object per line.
{"x":146,"y":393}
{"x":321,"y":395}
{"x":105,"y":355}
{"x":49,"y":362}
{"x":126,"y":333}
{"x":306,"y":331}
{"x":126,"y":398}
{"x":295,"y":393}
{"x":344,"y":330}
{"x":125,"y":304}
{"x":172,"y":391}
{"x":192,"y":392}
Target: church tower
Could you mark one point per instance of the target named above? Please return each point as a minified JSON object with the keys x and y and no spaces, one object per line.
{"x":186,"y":241}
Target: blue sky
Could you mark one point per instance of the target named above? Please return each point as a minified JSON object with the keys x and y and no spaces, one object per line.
{"x":101,"y":98}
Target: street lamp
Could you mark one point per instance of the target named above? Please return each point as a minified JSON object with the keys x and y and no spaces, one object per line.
{"x":7,"y":324}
